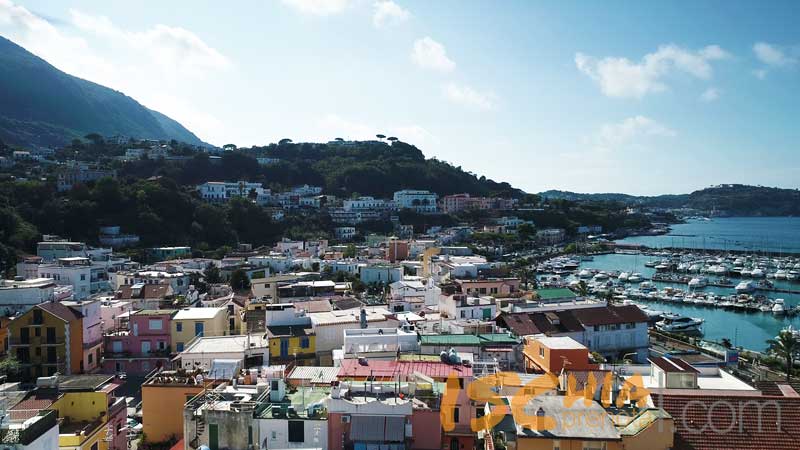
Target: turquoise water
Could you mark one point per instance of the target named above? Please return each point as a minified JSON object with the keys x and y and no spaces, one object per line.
{"x":776,"y":234}
{"x":749,"y":330}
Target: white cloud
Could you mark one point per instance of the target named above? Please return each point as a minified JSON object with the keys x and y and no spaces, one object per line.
{"x":761,"y":74}
{"x":709,"y":95}
{"x":621,"y":77}
{"x":171,"y":47}
{"x":430,"y":54}
{"x":387,"y":13}
{"x":318,"y":7}
{"x":467,"y":96}
{"x":772,"y":55}
{"x":629,"y":130}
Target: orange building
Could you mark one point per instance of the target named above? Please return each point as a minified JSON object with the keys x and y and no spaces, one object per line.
{"x":552,"y":354}
{"x":163,"y":397}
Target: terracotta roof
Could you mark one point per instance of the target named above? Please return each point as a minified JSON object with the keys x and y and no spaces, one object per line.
{"x":61,"y":311}
{"x":729,"y":421}
{"x":148,"y":291}
{"x":571,"y":320}
{"x":346,"y":303}
{"x":673,"y":365}
{"x":34,"y":402}
{"x":351,"y":368}
{"x":610,"y":315}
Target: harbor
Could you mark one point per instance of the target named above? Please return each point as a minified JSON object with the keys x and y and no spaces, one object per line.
{"x":746,"y":318}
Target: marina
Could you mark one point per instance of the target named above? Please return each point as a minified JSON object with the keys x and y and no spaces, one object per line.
{"x":745,"y":323}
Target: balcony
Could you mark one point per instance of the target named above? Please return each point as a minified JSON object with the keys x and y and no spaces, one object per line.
{"x":35,"y":341}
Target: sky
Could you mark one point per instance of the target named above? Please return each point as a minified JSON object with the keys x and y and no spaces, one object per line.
{"x":636,"y":97}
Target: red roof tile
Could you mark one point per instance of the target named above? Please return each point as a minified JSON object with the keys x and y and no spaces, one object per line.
{"x":732,"y":421}
{"x":351,"y":368}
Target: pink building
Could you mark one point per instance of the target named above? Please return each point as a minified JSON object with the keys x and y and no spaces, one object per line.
{"x":422,"y":422}
{"x":140,"y":345}
{"x":489,"y":286}
{"x":460,"y":202}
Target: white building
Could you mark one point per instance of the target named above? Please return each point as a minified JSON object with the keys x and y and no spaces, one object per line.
{"x":365,"y":203}
{"x":285,"y":314}
{"x":85,"y":277}
{"x":329,"y":326}
{"x":344,"y":233}
{"x":380,"y":273}
{"x":251,"y":350}
{"x":419,"y":201}
{"x":21,"y":295}
{"x":177,"y":280}
{"x":222,"y":191}
{"x":376,"y":343}
{"x":50,"y":251}
{"x":460,"y":306}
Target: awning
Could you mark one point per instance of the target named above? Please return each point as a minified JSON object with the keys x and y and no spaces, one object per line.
{"x":367,"y":428}
{"x":395,"y":429}
{"x":377,"y":429}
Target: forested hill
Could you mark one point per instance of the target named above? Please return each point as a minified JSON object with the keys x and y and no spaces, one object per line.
{"x":43,"y":106}
{"x":374,"y":168}
{"x":743,"y":200}
{"x":727,"y":199}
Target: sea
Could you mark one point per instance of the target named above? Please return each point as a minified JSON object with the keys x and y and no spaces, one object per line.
{"x":752,"y":234}
{"x":750,"y":330}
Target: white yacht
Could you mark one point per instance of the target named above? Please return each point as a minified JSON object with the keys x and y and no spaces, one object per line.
{"x":675,"y":323}
{"x":781,"y":274}
{"x":778,"y":307}
{"x":745,"y":286}
{"x":600,"y":276}
{"x":698,"y":283}
{"x":647,"y":286}
{"x":635,"y":278}
{"x":623,"y":277}
{"x":757,"y":273}
{"x":585,"y":273}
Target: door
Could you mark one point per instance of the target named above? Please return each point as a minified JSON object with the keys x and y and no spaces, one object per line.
{"x":198,"y":328}
{"x":145,"y":347}
{"x":213,"y":436}
{"x":135,"y":329}
{"x":25,"y":335}
{"x":284,"y":348}
{"x":116,"y":346}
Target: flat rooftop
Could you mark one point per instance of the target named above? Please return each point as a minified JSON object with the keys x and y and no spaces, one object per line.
{"x":224,"y":344}
{"x":560,"y":343}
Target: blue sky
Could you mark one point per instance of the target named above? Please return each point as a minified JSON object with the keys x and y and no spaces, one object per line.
{"x":638,"y":97}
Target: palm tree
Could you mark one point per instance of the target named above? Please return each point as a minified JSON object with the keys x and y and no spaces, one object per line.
{"x":786,"y":346}
{"x":583,"y":289}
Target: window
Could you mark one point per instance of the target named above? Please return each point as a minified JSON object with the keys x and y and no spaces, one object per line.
{"x":162,"y":345}
{"x":145,"y":365}
{"x":116,"y":346}
{"x":37,"y":316}
{"x":94,"y":446}
{"x":273,"y":435}
{"x":456,"y":415}
{"x":541,"y":352}
{"x":556,"y":445}
{"x":179,"y":346}
{"x":83,"y":278}
{"x":296,"y":431}
{"x":155,"y":324}
{"x":51,"y":335}
{"x":304,"y":342}
{"x":37,"y":332}
{"x":178,"y":327}
{"x":38,"y":351}
{"x":590,"y":445}
{"x":90,"y":358}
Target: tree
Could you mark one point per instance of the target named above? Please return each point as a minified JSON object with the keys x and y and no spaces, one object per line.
{"x":786,"y":345}
{"x":9,"y":365}
{"x":284,"y":141}
{"x":211,"y":274}
{"x":239,"y":280}
{"x":350,"y":251}
{"x":380,"y":136}
{"x":583,"y":289}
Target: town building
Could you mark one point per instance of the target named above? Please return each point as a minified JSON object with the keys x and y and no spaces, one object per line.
{"x":81,"y":175}
{"x":141,"y":344}
{"x":92,"y":333}
{"x":19,"y":295}
{"x":222,"y":191}
{"x":189,"y":323}
{"x":47,"y":339}
{"x":163,"y":395}
{"x":612,"y":331}
{"x":416,"y":200}
{"x":380,"y":273}
{"x":463,"y":306}
{"x":245,"y":350}
{"x":81,"y":273}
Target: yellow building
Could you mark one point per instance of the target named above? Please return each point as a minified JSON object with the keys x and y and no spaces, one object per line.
{"x":47,"y":339}
{"x":295,"y":343}
{"x":549,"y":422}
{"x":163,"y":397}
{"x":189,"y":323}
{"x":90,"y":416}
